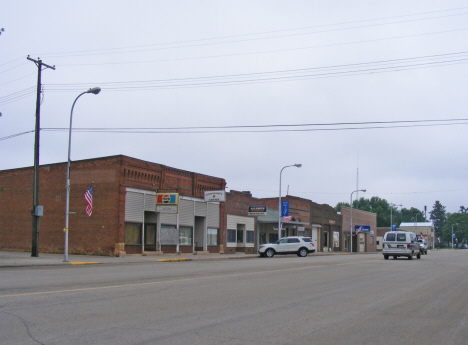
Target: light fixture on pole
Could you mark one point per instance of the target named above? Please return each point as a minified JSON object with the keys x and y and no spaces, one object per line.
{"x":351,"y":216}
{"x":391,"y":215}
{"x":94,"y":90}
{"x":279,"y":203}
{"x":452,"y":232}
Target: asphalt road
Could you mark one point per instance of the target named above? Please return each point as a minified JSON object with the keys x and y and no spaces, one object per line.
{"x":339,"y":299}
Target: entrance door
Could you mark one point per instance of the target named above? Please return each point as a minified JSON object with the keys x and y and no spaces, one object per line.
{"x":362,"y":245}
{"x":326,"y":241}
{"x":314,"y":237}
{"x":150,"y":237}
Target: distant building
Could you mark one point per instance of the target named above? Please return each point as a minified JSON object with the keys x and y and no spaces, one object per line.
{"x":422,"y":228}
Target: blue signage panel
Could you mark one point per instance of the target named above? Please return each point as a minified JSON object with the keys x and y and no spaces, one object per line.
{"x":362,"y":228}
{"x":393,"y":227}
{"x":284,"y":208}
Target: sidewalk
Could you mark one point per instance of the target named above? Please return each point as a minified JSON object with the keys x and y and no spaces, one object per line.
{"x":24,"y":259}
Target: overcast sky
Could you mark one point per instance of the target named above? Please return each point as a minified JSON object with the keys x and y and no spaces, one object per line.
{"x":185,"y":64}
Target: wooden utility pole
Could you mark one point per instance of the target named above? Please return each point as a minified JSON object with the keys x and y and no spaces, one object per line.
{"x":37,"y":211}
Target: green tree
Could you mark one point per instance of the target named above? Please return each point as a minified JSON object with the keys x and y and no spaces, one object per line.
{"x":438,"y":217}
{"x":376,"y":205}
{"x":410,"y":215}
{"x":338,"y":206}
{"x":459,"y":221}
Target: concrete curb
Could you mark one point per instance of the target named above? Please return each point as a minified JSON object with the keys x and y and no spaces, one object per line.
{"x":84,"y":263}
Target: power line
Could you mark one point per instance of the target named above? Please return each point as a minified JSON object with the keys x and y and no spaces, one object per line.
{"x":230,"y":39}
{"x":282,"y":75}
{"x":337,"y":126}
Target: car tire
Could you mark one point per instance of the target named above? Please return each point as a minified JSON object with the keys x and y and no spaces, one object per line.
{"x":410,"y":257}
{"x":302,"y":252}
{"x":418,"y":256}
{"x":269,"y":253}
{"x":385,"y":257}
{"x":394,"y":257}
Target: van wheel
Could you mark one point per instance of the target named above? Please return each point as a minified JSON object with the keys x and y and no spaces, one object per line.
{"x":385,"y":257}
{"x":394,"y":257}
{"x":419,"y":255}
{"x":410,"y":257}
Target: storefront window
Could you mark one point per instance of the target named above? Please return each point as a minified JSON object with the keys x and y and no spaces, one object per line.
{"x":249,"y":237}
{"x":231,"y":236}
{"x":212,"y":237}
{"x":185,"y":235}
{"x":132,"y":233}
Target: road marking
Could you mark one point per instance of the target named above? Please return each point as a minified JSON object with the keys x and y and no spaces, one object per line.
{"x":168,"y":281}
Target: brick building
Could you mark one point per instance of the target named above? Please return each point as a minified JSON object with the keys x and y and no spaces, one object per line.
{"x":124,"y":218}
{"x":364,"y":241}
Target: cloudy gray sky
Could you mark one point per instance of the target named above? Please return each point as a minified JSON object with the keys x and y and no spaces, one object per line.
{"x":279,"y":82}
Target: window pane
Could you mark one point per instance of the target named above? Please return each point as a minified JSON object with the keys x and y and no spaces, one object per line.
{"x":401,"y":237}
{"x":132,"y":233}
{"x":212,"y":237}
{"x":249,"y":237}
{"x":231,"y":235}
{"x":391,"y":237}
{"x":185,"y":235}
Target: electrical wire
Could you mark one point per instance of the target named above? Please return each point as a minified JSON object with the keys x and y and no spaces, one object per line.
{"x":231,"y":39}
{"x":282,"y":75}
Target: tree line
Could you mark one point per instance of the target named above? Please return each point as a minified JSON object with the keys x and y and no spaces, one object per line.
{"x":388,"y":213}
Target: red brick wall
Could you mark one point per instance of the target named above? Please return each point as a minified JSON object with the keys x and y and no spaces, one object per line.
{"x":96,"y":234}
{"x":99,"y":233}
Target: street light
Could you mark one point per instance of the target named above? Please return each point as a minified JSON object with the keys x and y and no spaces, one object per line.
{"x":391,"y":215}
{"x":279,"y":203}
{"x":452,"y":233}
{"x":351,"y":224}
{"x":94,"y":90}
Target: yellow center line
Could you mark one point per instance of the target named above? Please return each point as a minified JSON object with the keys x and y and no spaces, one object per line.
{"x":160,"y":282}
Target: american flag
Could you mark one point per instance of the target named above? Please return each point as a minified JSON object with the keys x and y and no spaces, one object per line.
{"x":287,"y":219}
{"x":89,"y":200}
{"x":359,"y":230}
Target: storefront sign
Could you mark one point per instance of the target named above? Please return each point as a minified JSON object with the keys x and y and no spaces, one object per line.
{"x":167,"y":198}
{"x":257,"y":210}
{"x":167,"y":209}
{"x":215,"y":196}
{"x":363,"y":228}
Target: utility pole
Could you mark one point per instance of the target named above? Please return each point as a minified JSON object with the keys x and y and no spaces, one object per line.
{"x":37,"y":211}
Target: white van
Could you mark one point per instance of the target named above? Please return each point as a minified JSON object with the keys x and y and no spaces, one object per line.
{"x":400,"y":243}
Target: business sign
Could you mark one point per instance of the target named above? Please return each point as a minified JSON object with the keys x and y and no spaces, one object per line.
{"x":215,"y":196}
{"x":393,"y":227}
{"x":284,"y":208}
{"x":167,"y":209}
{"x":363,"y":228}
{"x":257,"y":210}
{"x":167,"y":198}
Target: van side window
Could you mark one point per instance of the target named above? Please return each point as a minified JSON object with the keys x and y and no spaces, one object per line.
{"x":390,"y":237}
{"x":401,"y":237}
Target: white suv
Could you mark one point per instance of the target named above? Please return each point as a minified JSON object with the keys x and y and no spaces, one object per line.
{"x":288,"y":245}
